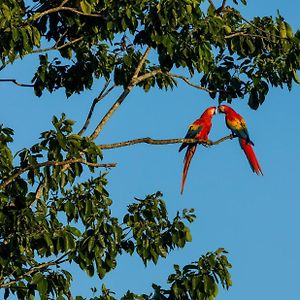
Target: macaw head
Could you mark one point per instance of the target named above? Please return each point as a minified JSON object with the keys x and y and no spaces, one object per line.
{"x":224,"y":109}
{"x":209,"y":112}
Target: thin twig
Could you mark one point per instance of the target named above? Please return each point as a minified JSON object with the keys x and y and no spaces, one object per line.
{"x":223,"y":5}
{"x":148,"y":140}
{"x":252,"y":24}
{"x":247,"y":34}
{"x":35,"y":269}
{"x":107,"y":116}
{"x":63,"y":8}
{"x":122,"y":97}
{"x":141,"y":63}
{"x":211,"y":3}
{"x":63,"y":3}
{"x":185,"y":79}
{"x":53,"y":163}
{"x":57,"y":47}
{"x":101,"y":96}
{"x":45,"y":50}
{"x":16,"y":82}
{"x":145,"y":76}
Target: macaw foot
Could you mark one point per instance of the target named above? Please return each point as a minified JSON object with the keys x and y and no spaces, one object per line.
{"x":207,"y":143}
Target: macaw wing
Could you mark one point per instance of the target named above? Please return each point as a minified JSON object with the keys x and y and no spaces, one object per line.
{"x":192,"y":132}
{"x":239,"y":128}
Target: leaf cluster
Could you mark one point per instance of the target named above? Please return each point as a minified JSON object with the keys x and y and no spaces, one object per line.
{"x":198,"y":280}
{"x":96,"y":39}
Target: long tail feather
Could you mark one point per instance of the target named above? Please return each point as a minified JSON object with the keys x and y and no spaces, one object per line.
{"x":251,"y":156}
{"x":187,"y":160}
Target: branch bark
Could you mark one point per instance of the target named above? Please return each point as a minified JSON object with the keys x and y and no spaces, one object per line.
{"x":101,"y":96}
{"x":159,"y":71}
{"x":53,"y":163}
{"x":148,"y":140}
{"x":63,"y":8}
{"x":122,"y":97}
{"x":223,"y":5}
{"x":55,"y":47}
{"x":211,"y":3}
{"x":186,"y":80}
{"x":16,"y":82}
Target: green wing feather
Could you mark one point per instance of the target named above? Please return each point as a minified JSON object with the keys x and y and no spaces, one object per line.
{"x":192,"y":132}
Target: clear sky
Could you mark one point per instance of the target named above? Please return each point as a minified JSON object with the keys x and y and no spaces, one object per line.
{"x":255,"y":218}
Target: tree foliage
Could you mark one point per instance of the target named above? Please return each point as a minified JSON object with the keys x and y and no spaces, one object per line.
{"x":49,"y":215}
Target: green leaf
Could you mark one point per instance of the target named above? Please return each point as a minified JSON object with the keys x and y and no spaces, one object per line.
{"x":36,"y":278}
{"x":85,"y":7}
{"x":188,"y":235}
{"x":42,"y":286}
{"x":295,"y":76}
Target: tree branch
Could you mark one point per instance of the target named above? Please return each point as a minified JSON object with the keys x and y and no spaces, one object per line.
{"x":55,"y":47}
{"x":107,"y":116}
{"x":246,"y":34}
{"x":101,"y":96}
{"x":16,"y":82}
{"x":63,"y":8}
{"x":252,"y":24}
{"x":159,"y":71}
{"x":53,"y":163}
{"x":64,"y":2}
{"x":140,"y":65}
{"x":211,"y":3}
{"x":185,"y":79}
{"x":223,"y":5}
{"x":35,"y":269}
{"x":148,"y":140}
{"x":122,"y":97}
{"x":143,"y":77}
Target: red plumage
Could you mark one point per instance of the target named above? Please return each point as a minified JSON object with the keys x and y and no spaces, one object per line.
{"x":187,"y":160}
{"x":254,"y":164}
{"x":199,"y":130}
{"x":237,"y":125}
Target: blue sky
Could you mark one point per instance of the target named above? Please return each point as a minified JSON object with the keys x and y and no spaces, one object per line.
{"x":255,"y":218}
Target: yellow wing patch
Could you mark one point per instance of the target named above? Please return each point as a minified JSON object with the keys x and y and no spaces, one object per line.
{"x":237,"y":124}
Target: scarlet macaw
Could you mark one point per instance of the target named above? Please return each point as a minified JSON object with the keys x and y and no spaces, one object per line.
{"x":199,"y":130}
{"x":237,"y":125}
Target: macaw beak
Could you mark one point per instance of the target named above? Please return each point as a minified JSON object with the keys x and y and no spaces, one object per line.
{"x":219,"y":110}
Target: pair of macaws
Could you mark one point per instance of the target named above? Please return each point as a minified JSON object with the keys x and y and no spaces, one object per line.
{"x":201,"y":127}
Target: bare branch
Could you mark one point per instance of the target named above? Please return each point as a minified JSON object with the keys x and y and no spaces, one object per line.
{"x":16,"y":82}
{"x":55,"y":47}
{"x":185,"y":79}
{"x":147,"y":75}
{"x":247,"y":34}
{"x":107,"y":116}
{"x":140,"y":65}
{"x":64,"y":2}
{"x":211,"y":3}
{"x":253,"y":25}
{"x":63,"y":8}
{"x":53,"y":163}
{"x":159,"y":71}
{"x":101,"y":96}
{"x":122,"y":97}
{"x":151,"y":141}
{"x":223,"y":5}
